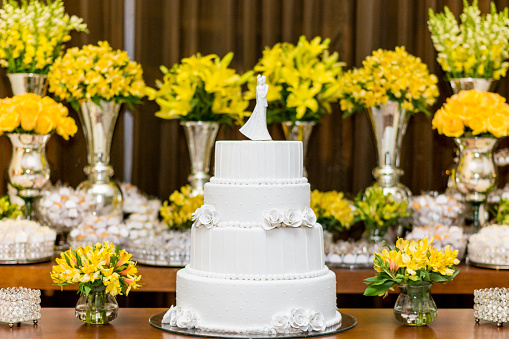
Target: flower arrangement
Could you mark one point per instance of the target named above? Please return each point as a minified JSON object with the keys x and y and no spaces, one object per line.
{"x":30,"y":113}
{"x":502,"y":212}
{"x":411,"y":262}
{"x":388,"y":76}
{"x":102,"y":265}
{"x":302,"y":79}
{"x":201,"y":88}
{"x":96,"y":73}
{"x":177,"y":212}
{"x":377,"y":210}
{"x":9,"y":210}
{"x":477,"y":47}
{"x":32,"y":34}
{"x":333,"y":211}
{"x":473,"y":113}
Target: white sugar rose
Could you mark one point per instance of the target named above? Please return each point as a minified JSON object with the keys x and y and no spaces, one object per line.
{"x":280,"y":323}
{"x":172,"y":315}
{"x":187,"y":320}
{"x":309,"y":217}
{"x":272,"y":219}
{"x":293,"y":218}
{"x":206,"y":215}
{"x":317,"y":321}
{"x":299,"y":319}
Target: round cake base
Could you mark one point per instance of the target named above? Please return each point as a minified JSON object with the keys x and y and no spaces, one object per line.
{"x":347,"y":322}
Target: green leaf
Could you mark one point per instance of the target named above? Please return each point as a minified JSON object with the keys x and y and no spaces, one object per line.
{"x":372,"y":291}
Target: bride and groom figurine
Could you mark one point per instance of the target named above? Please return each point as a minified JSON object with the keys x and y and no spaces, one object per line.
{"x":256,"y":127}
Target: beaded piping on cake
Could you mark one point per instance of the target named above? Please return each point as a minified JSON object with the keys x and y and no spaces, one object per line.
{"x":276,"y":218}
{"x":259,"y":181}
{"x":258,"y":277}
{"x":206,"y":216}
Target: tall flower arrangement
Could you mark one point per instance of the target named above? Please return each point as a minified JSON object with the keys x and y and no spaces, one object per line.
{"x":201,"y":88}
{"x":302,"y":79}
{"x":33,"y":34}
{"x":96,"y":73}
{"x":473,"y":113}
{"x":476,"y":47}
{"x":388,"y":75}
{"x":32,"y":114}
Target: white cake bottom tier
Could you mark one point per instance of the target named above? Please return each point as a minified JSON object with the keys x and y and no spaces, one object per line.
{"x":240,"y":204}
{"x":256,"y":254}
{"x":249,"y":306}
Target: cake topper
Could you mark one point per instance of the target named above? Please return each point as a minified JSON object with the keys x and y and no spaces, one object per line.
{"x":256,"y":127}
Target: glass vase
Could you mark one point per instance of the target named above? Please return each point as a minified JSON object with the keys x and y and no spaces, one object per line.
{"x":28,"y":83}
{"x":415,"y":306}
{"x":389,"y":122}
{"x":96,"y":308}
{"x":200,"y":136}
{"x":98,"y":123}
{"x":476,"y":174}
{"x":466,"y":84}
{"x":28,"y":171}
{"x":299,"y":131}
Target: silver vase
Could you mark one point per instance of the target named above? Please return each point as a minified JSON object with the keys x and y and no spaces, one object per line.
{"x":28,"y":169}
{"x":28,"y":83}
{"x":466,"y":84}
{"x":299,"y":131}
{"x":200,"y":136}
{"x":476,"y":174}
{"x":389,"y":123}
{"x":98,"y":123}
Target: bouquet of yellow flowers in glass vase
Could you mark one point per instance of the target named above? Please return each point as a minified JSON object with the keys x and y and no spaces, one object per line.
{"x":413,"y":266}
{"x":302,"y":79}
{"x":476,"y":47}
{"x":102,"y":271}
{"x":201,"y":88}
{"x":33,"y":34}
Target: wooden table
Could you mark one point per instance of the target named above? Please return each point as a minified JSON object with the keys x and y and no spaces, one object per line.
{"x":59,"y":323}
{"x":161,"y":279}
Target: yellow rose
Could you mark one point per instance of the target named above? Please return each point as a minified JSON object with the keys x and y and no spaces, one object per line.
{"x":67,"y":127}
{"x":44,"y":125}
{"x":497,"y":125}
{"x":28,"y":121}
{"x":8,"y":121}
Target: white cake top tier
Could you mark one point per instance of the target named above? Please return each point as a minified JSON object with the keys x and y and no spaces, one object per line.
{"x":258,"y":162}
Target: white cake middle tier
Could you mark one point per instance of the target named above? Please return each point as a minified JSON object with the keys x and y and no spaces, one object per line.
{"x":257,"y":254}
{"x":243,"y":205}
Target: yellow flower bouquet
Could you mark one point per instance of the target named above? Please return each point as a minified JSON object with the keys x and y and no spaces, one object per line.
{"x":477,"y":47}
{"x":201,"y":88}
{"x":177,"y":212}
{"x":473,"y":113}
{"x":32,"y":114}
{"x":388,"y":76}
{"x":98,"y":270}
{"x":411,"y":262}
{"x":302,"y":79}
{"x":96,"y":73}
{"x":32,"y":34}
{"x":332,"y":210}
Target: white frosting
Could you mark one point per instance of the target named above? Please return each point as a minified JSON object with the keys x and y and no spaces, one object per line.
{"x":258,"y":160}
{"x":248,"y":306}
{"x":255,"y":251}
{"x":237,"y":203}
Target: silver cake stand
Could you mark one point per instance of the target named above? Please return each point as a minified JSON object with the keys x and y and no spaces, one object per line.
{"x":347,"y":322}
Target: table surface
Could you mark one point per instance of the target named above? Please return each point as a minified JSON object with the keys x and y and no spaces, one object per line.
{"x":59,"y":323}
{"x":162,"y":279}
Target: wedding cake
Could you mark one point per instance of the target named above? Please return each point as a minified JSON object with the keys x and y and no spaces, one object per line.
{"x":257,"y":262}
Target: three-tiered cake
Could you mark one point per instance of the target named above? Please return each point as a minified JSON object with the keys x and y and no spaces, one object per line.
{"x":257,"y":256}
